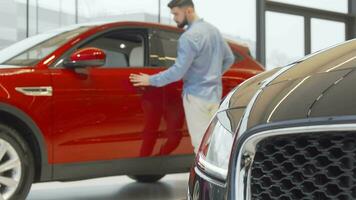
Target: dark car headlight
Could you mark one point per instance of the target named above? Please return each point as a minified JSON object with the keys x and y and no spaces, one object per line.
{"x":215,"y":148}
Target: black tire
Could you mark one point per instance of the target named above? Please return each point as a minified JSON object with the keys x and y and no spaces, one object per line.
{"x":147,"y":178}
{"x":24,"y":153}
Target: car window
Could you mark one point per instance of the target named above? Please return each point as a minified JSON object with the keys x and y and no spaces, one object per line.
{"x":164,"y":48}
{"x":122,"y":48}
{"x":44,"y":45}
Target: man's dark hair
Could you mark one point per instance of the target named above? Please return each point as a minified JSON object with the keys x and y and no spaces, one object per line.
{"x":180,"y":3}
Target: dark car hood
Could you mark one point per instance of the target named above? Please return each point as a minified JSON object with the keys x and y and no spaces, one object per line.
{"x":317,"y":86}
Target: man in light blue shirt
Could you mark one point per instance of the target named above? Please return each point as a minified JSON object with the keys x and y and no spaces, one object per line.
{"x":203,"y":57}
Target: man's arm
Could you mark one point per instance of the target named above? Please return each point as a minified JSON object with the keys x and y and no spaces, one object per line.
{"x":228,"y":59}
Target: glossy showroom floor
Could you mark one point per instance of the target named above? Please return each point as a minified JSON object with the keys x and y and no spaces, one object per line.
{"x":171,"y":187}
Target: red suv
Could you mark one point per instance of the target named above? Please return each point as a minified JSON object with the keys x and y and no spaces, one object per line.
{"x":68,"y":110}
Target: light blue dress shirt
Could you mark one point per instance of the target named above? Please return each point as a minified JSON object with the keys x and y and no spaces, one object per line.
{"x":203,"y":57}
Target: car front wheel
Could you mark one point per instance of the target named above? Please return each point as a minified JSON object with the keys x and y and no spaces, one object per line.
{"x":16,"y":165}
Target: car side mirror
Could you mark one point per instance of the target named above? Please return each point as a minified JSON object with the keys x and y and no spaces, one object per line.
{"x":86,"y":57}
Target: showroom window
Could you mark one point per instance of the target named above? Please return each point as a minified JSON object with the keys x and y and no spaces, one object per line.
{"x":331,"y":5}
{"x":237,"y":22}
{"x":284,"y":39}
{"x":242,"y":21}
{"x":46,"y":15}
{"x":14,"y":27}
{"x":123,"y":10}
{"x":322,"y":37}
{"x":165,"y":13}
{"x":307,"y":24}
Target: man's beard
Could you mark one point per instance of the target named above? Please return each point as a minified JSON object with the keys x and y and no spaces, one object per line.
{"x":183,"y":24}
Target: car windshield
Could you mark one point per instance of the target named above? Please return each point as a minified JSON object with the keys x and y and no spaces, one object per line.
{"x":30,"y":51}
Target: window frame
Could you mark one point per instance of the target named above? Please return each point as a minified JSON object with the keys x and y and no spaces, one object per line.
{"x":156,"y":44}
{"x":144,"y":31}
{"x":307,"y":13}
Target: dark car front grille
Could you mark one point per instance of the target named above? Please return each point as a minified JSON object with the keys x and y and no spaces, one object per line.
{"x":305,"y":166}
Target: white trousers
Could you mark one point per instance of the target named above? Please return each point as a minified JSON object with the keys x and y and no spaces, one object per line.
{"x":198,"y":114}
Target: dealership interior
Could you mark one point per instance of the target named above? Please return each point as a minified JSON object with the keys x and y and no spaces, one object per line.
{"x":277,"y":33}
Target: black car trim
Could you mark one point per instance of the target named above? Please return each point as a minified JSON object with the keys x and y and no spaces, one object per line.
{"x":290,"y":124}
{"x":130,"y":166}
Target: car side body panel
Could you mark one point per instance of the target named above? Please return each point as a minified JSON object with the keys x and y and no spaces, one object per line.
{"x":94,"y":116}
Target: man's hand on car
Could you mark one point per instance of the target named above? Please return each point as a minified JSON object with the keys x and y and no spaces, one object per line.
{"x":140,"y":79}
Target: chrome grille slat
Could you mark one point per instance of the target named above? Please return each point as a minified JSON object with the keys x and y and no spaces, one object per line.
{"x":305,"y":166}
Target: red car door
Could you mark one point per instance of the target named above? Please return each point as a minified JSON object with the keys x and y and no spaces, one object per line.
{"x":98,"y":114}
{"x":174,"y":136}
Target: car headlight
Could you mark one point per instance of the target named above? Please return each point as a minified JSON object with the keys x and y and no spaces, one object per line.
{"x":215,"y":148}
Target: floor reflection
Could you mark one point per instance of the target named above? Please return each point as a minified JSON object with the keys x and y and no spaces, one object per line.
{"x":171,"y":187}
